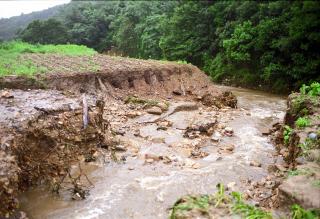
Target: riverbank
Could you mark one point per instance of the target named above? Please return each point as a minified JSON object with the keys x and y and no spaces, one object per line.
{"x":298,"y":141}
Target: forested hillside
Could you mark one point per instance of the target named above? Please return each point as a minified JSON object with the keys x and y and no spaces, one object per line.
{"x":272,"y":44}
{"x":10,"y":26}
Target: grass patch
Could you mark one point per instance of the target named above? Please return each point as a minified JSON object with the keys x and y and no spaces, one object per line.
{"x":246,"y":210}
{"x":305,"y":171}
{"x":11,"y":64}
{"x":230,"y":203}
{"x":302,"y":122}
{"x":297,"y":212}
{"x":136,"y":100}
{"x":200,"y":203}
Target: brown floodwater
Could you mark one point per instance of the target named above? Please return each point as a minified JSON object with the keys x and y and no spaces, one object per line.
{"x":135,"y":190}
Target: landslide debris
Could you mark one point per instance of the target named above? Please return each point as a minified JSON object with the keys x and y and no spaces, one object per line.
{"x":46,"y":126}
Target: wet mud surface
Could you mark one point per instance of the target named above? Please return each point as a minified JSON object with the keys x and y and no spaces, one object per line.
{"x":187,"y":152}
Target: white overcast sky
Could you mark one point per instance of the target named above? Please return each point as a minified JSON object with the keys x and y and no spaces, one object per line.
{"x":16,"y":7}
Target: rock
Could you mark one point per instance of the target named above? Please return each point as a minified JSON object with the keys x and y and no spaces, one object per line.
{"x":300,"y":190}
{"x":154,"y":110}
{"x":191,"y":164}
{"x":177,"y":92}
{"x":149,"y":161}
{"x":120,"y":132}
{"x":231,"y":186}
{"x":165,"y":123}
{"x":163,"y":106}
{"x":120,"y":148}
{"x":196,"y":166}
{"x":226,"y":149}
{"x":228,"y":131}
{"x":130,"y":168}
{"x":249,"y":194}
{"x":229,"y":147}
{"x":204,"y":127}
{"x":312,"y":136}
{"x":255,"y":163}
{"x":265,"y":131}
{"x":6,"y":94}
{"x":166,"y":160}
{"x":153,"y":157}
{"x":158,"y":140}
{"x":162,"y":128}
{"x":215,"y":138}
{"x":133,"y":114}
{"x":136,"y":133}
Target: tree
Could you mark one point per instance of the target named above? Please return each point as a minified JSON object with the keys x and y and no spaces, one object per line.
{"x":50,"y":31}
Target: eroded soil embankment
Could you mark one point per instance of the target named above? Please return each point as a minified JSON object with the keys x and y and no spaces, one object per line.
{"x":44,"y":131}
{"x":298,"y":141}
{"x":40,"y":142}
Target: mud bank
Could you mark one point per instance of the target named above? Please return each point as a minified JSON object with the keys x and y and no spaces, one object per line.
{"x":42,"y":134}
{"x":298,"y":141}
{"x":45,"y":131}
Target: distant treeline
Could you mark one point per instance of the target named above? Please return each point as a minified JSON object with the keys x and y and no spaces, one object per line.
{"x":275,"y":44}
{"x":10,"y":27}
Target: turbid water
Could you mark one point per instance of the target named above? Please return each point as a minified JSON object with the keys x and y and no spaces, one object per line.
{"x":144,"y":187}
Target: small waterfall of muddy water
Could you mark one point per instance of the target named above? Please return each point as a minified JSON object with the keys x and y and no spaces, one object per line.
{"x":137,"y":190}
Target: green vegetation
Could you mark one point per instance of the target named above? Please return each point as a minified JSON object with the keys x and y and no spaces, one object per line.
{"x":269,"y":43}
{"x":312,"y":90}
{"x":146,"y":103}
{"x":286,"y":134}
{"x":316,"y":183}
{"x":11,"y":61}
{"x":201,"y":203}
{"x":136,"y":100}
{"x":248,"y":211}
{"x":299,"y":213}
{"x":37,"y":32}
{"x":302,"y":122}
{"x":231,"y":203}
{"x":304,"y":171}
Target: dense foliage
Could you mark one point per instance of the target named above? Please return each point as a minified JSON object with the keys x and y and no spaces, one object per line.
{"x":274,"y":44}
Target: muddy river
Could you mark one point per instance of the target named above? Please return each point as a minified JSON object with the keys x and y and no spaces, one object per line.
{"x":146,"y":188}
